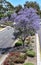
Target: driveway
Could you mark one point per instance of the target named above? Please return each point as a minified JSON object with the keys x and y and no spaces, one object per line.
{"x":6,"y":37}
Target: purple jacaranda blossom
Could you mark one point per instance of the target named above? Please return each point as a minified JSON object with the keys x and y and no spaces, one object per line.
{"x":3,"y":20}
{"x":6,"y":19}
{"x":11,"y":18}
{"x":13,"y":15}
{"x":27,"y":21}
{"x":27,"y":17}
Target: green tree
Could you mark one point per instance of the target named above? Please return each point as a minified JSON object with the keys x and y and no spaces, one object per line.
{"x":9,"y":6}
{"x":10,"y":9}
{"x":40,"y":13}
{"x":17,"y":8}
{"x":2,"y":5}
{"x":5,"y":6}
{"x":32,"y":4}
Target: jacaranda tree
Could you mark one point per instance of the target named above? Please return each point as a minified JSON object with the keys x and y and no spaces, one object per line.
{"x":26,"y":21}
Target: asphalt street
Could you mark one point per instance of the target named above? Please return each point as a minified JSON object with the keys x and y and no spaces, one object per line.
{"x":6,"y":37}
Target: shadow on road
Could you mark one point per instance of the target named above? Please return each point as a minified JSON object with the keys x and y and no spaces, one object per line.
{"x":5,"y":50}
{"x":13,"y":49}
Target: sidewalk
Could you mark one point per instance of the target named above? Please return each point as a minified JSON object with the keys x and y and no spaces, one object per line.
{"x":40,"y":62}
{"x":38,"y":49}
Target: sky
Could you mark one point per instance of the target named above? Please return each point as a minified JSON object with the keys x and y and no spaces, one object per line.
{"x":17,"y":2}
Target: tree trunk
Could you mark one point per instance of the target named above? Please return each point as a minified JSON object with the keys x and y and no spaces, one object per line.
{"x":23,"y":41}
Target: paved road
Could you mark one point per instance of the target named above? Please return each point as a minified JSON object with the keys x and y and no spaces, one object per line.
{"x":6,"y":37}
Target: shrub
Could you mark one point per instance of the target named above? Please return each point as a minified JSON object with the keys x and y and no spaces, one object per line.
{"x":19,"y":43}
{"x":14,"y":54}
{"x":32,"y":33}
{"x":30,"y":53}
{"x":19,"y":60}
{"x":32,"y":41}
{"x":8,"y":62}
{"x":30,"y":47}
{"x":27,"y":42}
{"x":24,"y":56}
{"x":11,"y":63}
{"x":28,"y":63}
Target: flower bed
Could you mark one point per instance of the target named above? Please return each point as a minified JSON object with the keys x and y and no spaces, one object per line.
{"x":21,"y":58}
{"x":29,"y":63}
{"x":16,"y":57}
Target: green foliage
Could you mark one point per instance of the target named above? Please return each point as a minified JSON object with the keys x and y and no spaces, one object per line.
{"x":32,"y":41}
{"x":28,"y":43}
{"x":32,"y":33}
{"x":1,"y":15}
{"x":9,"y":6}
{"x":32,"y":4}
{"x":18,"y":8}
{"x":30,"y":47}
{"x":8,"y":23}
{"x":11,"y":63}
{"x":30,"y":53}
{"x":4,"y":8}
{"x":29,"y":63}
{"x":40,"y":13}
{"x":21,"y":58}
{"x":29,"y":39}
{"x":19,"y":43}
{"x":24,"y":56}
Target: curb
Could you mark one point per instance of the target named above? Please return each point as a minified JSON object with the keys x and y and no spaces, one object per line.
{"x":3,"y":58}
{"x":2,"y":29}
{"x":38,"y":49}
{"x":15,"y":42}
